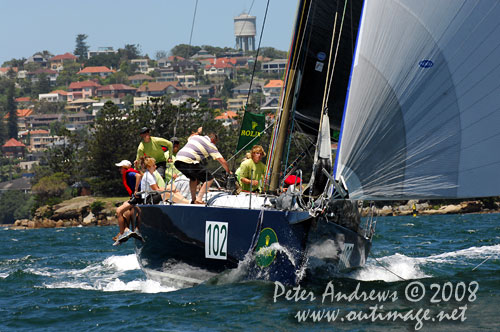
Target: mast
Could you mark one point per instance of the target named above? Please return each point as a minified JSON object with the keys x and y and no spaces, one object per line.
{"x":283,"y":122}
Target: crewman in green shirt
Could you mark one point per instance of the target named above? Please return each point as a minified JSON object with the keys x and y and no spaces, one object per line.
{"x":151,"y":146}
{"x":252,"y":170}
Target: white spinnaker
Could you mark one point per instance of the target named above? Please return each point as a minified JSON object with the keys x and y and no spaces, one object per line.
{"x":422,"y":118}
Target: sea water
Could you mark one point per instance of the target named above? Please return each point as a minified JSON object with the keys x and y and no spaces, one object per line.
{"x":425,"y":273}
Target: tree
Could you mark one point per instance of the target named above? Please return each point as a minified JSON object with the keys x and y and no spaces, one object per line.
{"x":12,"y":111}
{"x":42,"y":85}
{"x":50,"y":187}
{"x":68,"y":74}
{"x":18,"y":63}
{"x":160,"y":54}
{"x":184,"y":50}
{"x":14,"y":205}
{"x":113,"y":138}
{"x":130,"y":51}
{"x":81,"y":48}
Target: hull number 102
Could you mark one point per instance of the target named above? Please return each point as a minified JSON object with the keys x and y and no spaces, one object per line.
{"x":216,"y":234}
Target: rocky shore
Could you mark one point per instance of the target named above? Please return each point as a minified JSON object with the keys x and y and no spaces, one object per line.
{"x":79,"y":211}
{"x":425,"y":208}
{"x":98,"y":211}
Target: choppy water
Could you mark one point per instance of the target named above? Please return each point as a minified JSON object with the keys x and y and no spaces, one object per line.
{"x":73,"y":279}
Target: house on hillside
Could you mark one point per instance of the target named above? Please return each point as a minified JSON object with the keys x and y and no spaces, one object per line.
{"x":101,"y":50}
{"x":85,"y":89}
{"x":273,"y":88}
{"x":274,"y":66}
{"x":138,"y":79}
{"x":236,"y":104}
{"x":57,"y":62}
{"x":227,"y":118}
{"x":40,"y":139}
{"x":142,"y":65}
{"x":49,"y":73}
{"x":158,"y":89}
{"x":220,"y":69}
{"x":244,"y":89}
{"x":186,"y":80}
{"x":54,"y":96}
{"x":21,"y":117}
{"x":115,"y":91}
{"x":79,"y":120}
{"x":199,"y":91}
{"x":215,"y":103}
{"x":101,"y":71}
{"x":38,"y":59}
{"x":34,"y":121}
{"x":21,"y":184}
{"x":166,"y":75}
{"x":5,"y":70}
{"x":13,"y":149}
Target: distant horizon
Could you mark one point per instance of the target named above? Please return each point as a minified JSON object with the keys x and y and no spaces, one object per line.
{"x":37,"y":27}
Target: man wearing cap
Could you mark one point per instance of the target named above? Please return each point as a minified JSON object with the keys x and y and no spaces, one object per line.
{"x":152,"y":147}
{"x":129,"y":176}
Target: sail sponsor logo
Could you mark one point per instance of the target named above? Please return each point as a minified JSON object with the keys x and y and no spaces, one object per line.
{"x":426,"y":63}
{"x":265,"y":255}
{"x":319,"y":66}
{"x":250,"y":133}
{"x":216,"y":237}
{"x":345,"y":256}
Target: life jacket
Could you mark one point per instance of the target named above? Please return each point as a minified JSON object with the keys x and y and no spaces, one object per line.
{"x":129,"y":184}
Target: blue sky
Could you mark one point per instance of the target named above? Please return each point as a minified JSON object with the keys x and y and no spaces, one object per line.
{"x":28,"y":26}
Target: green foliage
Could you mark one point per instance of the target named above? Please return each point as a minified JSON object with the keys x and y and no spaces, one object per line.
{"x":184,"y":50}
{"x":113,"y":138}
{"x":12,"y":111}
{"x":14,"y":205}
{"x":51,"y":186}
{"x":68,"y":74}
{"x":81,"y":47}
{"x":130,"y":51}
{"x":67,"y":158}
{"x":19,"y":63}
{"x":108,"y":60}
{"x":97,"y":206}
{"x":161,"y":54}
{"x":271,"y":52}
{"x":42,"y":85}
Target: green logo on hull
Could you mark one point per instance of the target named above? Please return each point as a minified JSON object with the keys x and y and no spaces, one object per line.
{"x":264,"y":255}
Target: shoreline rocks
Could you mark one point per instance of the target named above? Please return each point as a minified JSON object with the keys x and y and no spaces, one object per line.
{"x":427,"y":209}
{"x":72,"y":213}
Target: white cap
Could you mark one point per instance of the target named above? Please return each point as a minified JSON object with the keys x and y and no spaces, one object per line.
{"x":124,"y":163}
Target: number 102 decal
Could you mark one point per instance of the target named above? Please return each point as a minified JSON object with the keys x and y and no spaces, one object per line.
{"x":216,"y":234}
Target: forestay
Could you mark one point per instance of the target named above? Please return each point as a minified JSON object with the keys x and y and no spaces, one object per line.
{"x":422,"y":118}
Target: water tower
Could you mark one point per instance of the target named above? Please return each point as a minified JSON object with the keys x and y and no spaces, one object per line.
{"x":244,"y":30}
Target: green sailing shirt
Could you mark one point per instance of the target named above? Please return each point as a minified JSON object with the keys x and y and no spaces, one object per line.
{"x":153,"y":149}
{"x":253,"y":171}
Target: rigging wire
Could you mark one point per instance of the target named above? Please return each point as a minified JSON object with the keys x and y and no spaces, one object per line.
{"x":257,"y":54}
{"x":192,"y":29}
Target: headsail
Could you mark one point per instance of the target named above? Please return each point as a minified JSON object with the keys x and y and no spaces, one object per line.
{"x":423,"y":114}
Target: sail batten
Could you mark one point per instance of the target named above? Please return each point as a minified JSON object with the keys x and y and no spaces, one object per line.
{"x":422,"y":118}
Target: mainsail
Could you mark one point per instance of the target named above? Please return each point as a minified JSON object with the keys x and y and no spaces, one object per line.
{"x":422,"y":118}
{"x":319,"y":25}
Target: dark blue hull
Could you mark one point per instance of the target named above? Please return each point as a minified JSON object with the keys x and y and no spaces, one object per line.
{"x":216,"y":239}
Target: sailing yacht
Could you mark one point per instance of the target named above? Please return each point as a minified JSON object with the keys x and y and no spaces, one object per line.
{"x":411,"y":88}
